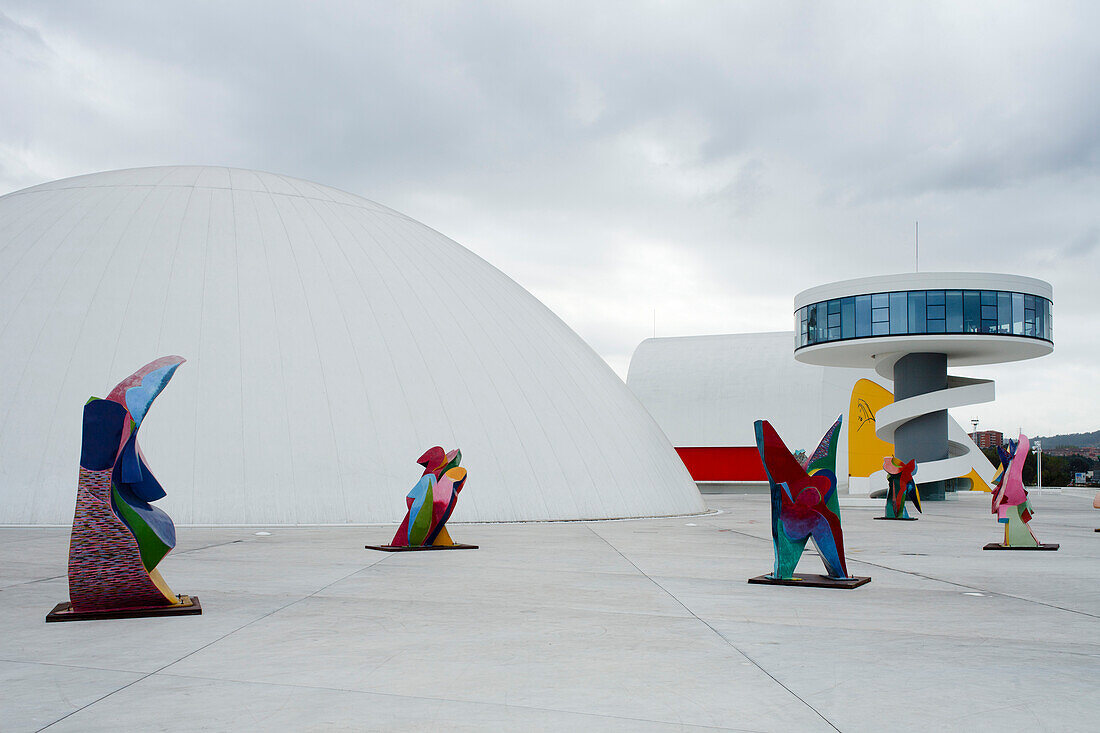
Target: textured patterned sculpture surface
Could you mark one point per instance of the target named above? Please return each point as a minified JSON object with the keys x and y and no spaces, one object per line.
{"x":804,"y":505}
{"x":1010,"y":502}
{"x":824,"y":456}
{"x":902,"y":487}
{"x":432,"y":500}
{"x":118,"y":536}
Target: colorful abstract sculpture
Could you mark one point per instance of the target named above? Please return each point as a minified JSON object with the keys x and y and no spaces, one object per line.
{"x":1010,"y":501}
{"x":899,"y":476}
{"x":118,"y":536}
{"x":804,"y":506}
{"x":430,"y":504}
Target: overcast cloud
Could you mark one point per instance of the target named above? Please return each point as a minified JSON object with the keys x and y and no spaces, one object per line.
{"x":703,"y":161}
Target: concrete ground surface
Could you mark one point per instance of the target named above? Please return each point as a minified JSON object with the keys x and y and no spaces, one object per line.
{"x":645,"y":625}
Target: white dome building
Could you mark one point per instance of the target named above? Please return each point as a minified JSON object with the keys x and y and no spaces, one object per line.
{"x":329,"y":340}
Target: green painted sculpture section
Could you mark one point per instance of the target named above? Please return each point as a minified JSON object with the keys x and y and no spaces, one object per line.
{"x":421,"y":524}
{"x":1017,"y":531}
{"x":150,"y":546}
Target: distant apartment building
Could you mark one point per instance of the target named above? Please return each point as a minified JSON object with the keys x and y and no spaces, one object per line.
{"x":988,"y":438}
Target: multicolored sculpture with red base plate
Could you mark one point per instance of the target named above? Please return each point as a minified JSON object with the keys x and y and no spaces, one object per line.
{"x":430,"y":504}
{"x":804,"y":506}
{"x":1010,"y":502}
{"x":899,"y":477}
{"x":118,"y":536}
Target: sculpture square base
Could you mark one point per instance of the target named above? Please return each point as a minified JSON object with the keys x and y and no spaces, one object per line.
{"x":189,"y":606}
{"x":810,"y":580}
{"x":417,"y":548}
{"x":1002,"y":546}
{"x":900,"y":519}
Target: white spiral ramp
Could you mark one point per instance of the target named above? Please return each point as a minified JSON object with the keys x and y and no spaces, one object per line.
{"x":962,"y":454}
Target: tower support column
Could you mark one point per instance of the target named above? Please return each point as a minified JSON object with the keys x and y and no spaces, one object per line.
{"x":923,"y":438}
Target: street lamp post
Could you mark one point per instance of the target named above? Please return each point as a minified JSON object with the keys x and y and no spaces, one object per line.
{"x":1039,"y":465}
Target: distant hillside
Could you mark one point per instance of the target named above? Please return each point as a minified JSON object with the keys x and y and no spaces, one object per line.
{"x":1081,"y":440}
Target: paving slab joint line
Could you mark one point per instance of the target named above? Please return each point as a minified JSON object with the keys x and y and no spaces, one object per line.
{"x":207,"y":547}
{"x":211,"y":643}
{"x":977,"y":588}
{"x":933,"y":578}
{"x":718,"y":633}
{"x":59,"y":577}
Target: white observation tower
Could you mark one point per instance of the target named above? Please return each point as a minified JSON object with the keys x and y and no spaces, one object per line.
{"x":910,"y":328}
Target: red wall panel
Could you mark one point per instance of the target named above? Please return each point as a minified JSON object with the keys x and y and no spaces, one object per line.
{"x":734,"y":463}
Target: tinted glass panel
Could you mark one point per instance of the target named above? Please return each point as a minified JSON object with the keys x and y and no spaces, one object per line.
{"x":880,"y":329}
{"x":899,"y":316}
{"x":936,"y":325}
{"x":954,"y":311}
{"x":1018,"y":314}
{"x":848,"y":318}
{"x":989,"y":297}
{"x":935,"y":297}
{"x":880,"y":300}
{"x":863,"y":315}
{"x":917,"y":312}
{"x":972,"y":311}
{"x":1004,"y":312}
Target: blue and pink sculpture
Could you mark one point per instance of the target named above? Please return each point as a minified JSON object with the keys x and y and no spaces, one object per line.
{"x":118,"y":536}
{"x":1010,"y":500}
{"x":804,"y":507}
{"x":430,"y":504}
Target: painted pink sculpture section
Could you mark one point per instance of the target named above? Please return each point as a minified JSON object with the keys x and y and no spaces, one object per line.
{"x":430,"y":504}
{"x":1011,"y":503}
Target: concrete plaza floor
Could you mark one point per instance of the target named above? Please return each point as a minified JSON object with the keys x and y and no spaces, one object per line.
{"x":644,"y":625}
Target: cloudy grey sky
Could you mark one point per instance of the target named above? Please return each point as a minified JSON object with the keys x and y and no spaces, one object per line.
{"x":701,"y":161}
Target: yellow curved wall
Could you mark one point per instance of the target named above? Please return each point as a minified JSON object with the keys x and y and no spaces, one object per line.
{"x":865,"y":450}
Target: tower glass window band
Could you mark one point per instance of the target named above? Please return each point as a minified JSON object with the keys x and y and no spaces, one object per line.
{"x":914,"y":312}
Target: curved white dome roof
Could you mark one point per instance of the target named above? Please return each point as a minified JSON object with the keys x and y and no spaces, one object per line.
{"x":329,"y":341}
